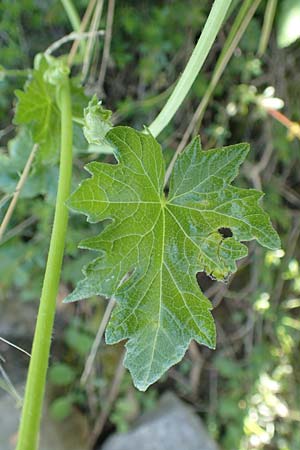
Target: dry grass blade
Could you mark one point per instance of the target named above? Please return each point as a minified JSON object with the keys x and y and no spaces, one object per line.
{"x":8,"y":386}
{"x":15,"y":346}
{"x":17,"y":192}
{"x":83,"y":25}
{"x":71,"y":37}
{"x":112,"y":395}
{"x":91,"y":42}
{"x":91,"y":358}
{"x":107,"y":42}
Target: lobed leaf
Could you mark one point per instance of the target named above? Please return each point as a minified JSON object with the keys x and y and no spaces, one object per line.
{"x":153,"y":246}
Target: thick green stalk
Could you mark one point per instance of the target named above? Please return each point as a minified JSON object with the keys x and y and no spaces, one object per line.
{"x":35,"y":387}
{"x":194,"y":65}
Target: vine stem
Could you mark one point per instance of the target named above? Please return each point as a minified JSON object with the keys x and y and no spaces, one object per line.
{"x":35,"y":387}
{"x":72,"y":37}
{"x":193,"y":67}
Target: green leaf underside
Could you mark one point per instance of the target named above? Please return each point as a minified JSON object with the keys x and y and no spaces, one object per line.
{"x":153,"y":247}
{"x":37,"y":106}
{"x":97,"y":122}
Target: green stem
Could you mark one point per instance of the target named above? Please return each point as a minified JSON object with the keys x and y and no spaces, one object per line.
{"x":13,"y":72}
{"x":74,"y":19}
{"x":267,"y":26}
{"x":35,"y":387}
{"x":72,"y":14}
{"x":194,"y":65}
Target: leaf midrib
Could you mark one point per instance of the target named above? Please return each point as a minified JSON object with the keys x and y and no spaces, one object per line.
{"x":160,"y":293}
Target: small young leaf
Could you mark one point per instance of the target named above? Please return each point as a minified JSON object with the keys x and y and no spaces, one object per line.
{"x":97,"y":122}
{"x":154,"y":246}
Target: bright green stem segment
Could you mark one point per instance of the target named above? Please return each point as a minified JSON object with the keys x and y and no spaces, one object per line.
{"x":193,"y":67}
{"x":74,"y":18}
{"x":72,"y":14}
{"x":35,"y":387}
{"x":267,"y":26}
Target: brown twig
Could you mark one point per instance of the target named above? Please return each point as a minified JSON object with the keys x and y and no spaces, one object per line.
{"x":293,"y":127}
{"x":112,"y":395}
{"x":94,"y":25}
{"x":198,"y":363}
{"x":91,"y":358}
{"x":107,"y":42}
{"x":83,"y":25}
{"x":19,"y":228}
{"x":253,"y":171}
{"x":17,"y":192}
{"x":71,"y":37}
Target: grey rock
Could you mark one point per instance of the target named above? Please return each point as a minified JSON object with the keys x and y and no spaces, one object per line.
{"x":173,"y":426}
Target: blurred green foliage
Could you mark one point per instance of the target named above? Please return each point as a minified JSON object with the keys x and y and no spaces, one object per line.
{"x":288,"y":22}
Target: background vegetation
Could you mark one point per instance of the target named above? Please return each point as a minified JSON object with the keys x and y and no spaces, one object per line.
{"x":247,"y":391}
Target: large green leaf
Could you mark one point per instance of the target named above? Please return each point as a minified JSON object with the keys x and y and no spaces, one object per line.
{"x":153,"y":246}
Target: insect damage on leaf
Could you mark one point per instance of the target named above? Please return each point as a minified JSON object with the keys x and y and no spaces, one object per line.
{"x":163,"y":243}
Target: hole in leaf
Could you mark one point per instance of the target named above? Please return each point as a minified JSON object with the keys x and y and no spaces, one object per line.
{"x":225,"y":232}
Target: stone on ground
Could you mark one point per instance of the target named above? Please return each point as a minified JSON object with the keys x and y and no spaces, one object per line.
{"x":172,"y":426}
